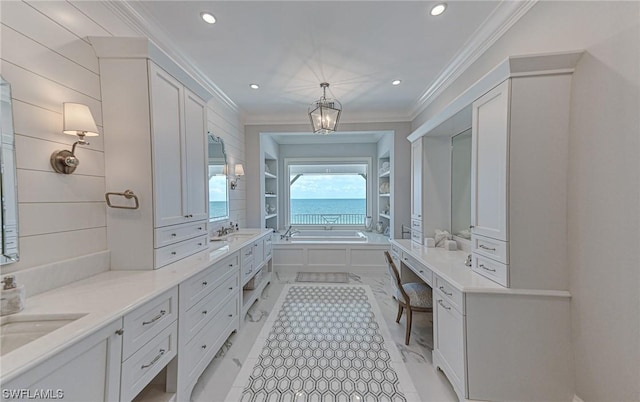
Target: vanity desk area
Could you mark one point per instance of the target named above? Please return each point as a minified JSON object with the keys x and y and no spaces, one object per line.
{"x":490,"y":168}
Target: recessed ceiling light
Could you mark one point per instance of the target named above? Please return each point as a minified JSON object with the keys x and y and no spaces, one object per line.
{"x":208,"y":17}
{"x":254,"y":86}
{"x":396,"y":82}
{"x":438,"y":9}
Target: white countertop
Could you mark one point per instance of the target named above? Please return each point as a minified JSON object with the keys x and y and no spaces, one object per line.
{"x":105,"y":298}
{"x":449,"y":265}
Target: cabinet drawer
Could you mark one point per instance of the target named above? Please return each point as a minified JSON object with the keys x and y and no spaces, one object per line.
{"x":416,"y":224}
{"x":268,"y":247}
{"x":491,"y":269}
{"x":174,"y":252}
{"x":487,"y":247}
{"x":176,"y":233}
{"x":247,"y":260}
{"x":450,"y":294}
{"x":416,"y":236}
{"x":258,"y":251}
{"x":201,"y":349}
{"x":205,"y":310}
{"x":147,"y":362}
{"x":198,"y":286}
{"x":419,"y":269}
{"x":145,"y":322}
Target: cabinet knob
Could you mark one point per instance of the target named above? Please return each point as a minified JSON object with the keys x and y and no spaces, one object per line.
{"x":204,"y":312}
{"x":120,"y":331}
{"x":173,"y":253}
{"x":173,"y":235}
{"x":231,"y":288}
{"x":199,"y":244}
{"x":204,"y":283}
{"x":230,"y":315}
{"x":204,"y":346}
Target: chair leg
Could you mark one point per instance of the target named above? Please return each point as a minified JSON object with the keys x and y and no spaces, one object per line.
{"x":400,"y":309}
{"x":408,"y":335}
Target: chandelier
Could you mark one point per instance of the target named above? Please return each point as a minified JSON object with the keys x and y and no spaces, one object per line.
{"x":324,"y":113}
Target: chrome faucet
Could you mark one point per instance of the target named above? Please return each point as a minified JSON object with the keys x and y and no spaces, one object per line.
{"x":287,"y":234}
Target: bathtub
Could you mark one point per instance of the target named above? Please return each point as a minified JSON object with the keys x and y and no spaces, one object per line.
{"x":330,"y":251}
{"x":329,"y":236}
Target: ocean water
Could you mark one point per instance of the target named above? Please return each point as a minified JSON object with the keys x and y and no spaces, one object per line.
{"x":328,"y":211}
{"x":217,"y":208}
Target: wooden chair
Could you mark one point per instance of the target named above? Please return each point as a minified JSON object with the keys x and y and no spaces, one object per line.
{"x":414,"y":296}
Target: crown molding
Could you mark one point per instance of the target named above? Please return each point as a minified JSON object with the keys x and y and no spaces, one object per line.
{"x":496,"y":25}
{"x":132,"y":17}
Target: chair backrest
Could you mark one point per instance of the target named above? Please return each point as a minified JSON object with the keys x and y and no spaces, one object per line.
{"x":395,"y":277}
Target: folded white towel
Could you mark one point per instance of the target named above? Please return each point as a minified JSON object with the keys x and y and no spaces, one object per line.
{"x":441,"y":236}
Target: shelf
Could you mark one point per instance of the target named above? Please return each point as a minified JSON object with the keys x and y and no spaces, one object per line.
{"x":270,"y":175}
{"x":385,"y":174}
{"x":271,"y":195}
{"x":385,"y":195}
{"x":250,"y":296}
{"x":270,"y":216}
{"x":385,"y":216}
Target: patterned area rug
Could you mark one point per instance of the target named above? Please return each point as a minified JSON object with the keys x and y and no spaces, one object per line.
{"x":324,"y":343}
{"x":325,"y":277}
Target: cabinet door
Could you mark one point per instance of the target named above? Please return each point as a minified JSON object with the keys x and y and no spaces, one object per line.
{"x":86,"y":371}
{"x":489,"y":163}
{"x":416,"y":179}
{"x":167,"y":100}
{"x":449,"y":339}
{"x":195,"y":156}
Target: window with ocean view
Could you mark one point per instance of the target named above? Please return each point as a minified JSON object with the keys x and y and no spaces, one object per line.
{"x":328,"y":194}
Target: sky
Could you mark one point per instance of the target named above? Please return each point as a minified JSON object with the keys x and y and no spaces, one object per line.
{"x":329,"y":187}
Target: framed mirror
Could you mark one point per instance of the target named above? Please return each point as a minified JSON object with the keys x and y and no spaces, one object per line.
{"x":461,"y":184}
{"x":218,"y":187}
{"x":8,"y":190}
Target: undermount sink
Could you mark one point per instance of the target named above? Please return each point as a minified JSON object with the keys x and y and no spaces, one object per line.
{"x":239,"y":236}
{"x":17,"y":331}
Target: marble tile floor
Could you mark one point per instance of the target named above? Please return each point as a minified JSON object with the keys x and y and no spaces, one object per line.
{"x":430,"y":384}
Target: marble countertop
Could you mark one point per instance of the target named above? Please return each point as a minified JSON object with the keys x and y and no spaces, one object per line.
{"x":105,"y":298}
{"x":449,"y":265}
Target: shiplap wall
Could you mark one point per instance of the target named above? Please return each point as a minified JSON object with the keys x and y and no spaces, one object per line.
{"x":47,"y":59}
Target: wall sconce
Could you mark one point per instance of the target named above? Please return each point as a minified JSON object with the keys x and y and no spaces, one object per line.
{"x":77,"y":120}
{"x":239,"y":172}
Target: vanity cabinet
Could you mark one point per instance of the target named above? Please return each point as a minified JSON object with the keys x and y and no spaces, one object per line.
{"x":87,"y":371}
{"x":519,"y":182}
{"x":155,"y":145}
{"x":448,"y":337}
{"x":209,"y":312}
{"x":416,"y":191}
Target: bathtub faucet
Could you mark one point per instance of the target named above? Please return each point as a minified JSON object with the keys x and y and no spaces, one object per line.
{"x":286,"y":234}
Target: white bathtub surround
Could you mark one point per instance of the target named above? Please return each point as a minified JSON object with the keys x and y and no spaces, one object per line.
{"x":325,"y":342}
{"x":430,"y":384}
{"x":330,"y":251}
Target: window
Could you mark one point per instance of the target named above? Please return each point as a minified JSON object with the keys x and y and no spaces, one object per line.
{"x":328,"y":193}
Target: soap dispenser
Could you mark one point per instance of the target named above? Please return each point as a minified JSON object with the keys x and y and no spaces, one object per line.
{"x":12,"y":296}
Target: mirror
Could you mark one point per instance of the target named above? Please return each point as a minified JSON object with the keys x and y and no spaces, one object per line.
{"x":218,"y":188}
{"x":9,"y":210}
{"x":461,"y":184}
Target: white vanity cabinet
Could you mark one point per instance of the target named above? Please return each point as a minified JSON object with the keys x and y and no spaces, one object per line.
{"x":209,"y":313}
{"x":155,"y":145}
{"x":87,"y":371}
{"x":416,"y":191}
{"x":519,"y":181}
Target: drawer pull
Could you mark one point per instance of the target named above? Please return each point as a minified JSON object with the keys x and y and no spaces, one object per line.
{"x":231,"y":288}
{"x":154,"y":361}
{"x":199,"y":244}
{"x":156,"y":318}
{"x":487,"y":248}
{"x":120,"y":331}
{"x":173,"y":235}
{"x":199,"y":227}
{"x":203,"y":346}
{"x":485,"y":268}
{"x":442,"y":304}
{"x":173,"y":253}
{"x":205,"y":283}
{"x":204,"y":312}
{"x":444,"y":291}
{"x":230,"y":315}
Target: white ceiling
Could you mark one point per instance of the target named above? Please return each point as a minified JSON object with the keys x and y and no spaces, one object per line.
{"x":289,"y":47}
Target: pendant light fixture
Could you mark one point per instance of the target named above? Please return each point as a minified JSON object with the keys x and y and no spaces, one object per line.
{"x":325,"y":113}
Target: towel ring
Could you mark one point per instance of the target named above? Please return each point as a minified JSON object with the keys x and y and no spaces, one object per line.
{"x":128,"y":194}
